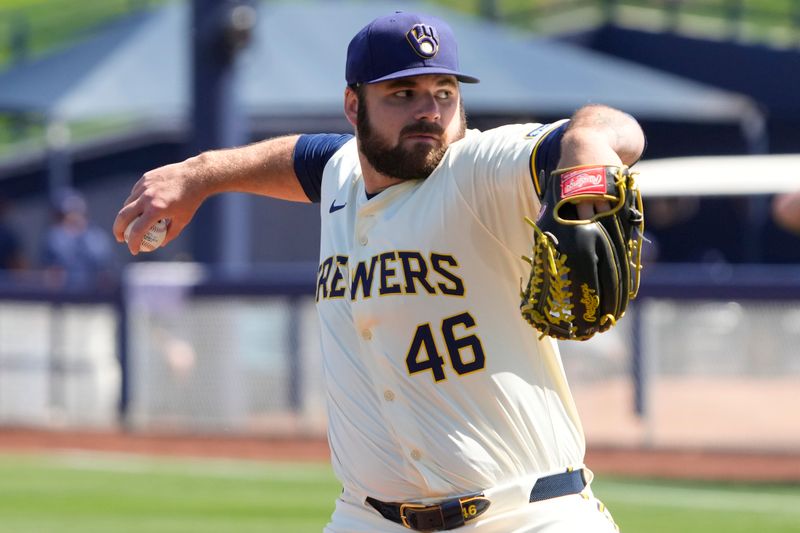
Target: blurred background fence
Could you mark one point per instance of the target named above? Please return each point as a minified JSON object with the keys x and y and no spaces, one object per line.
{"x":707,"y":358}
{"x":59,"y":357}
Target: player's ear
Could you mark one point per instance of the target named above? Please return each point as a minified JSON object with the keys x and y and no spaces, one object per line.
{"x":351,"y":105}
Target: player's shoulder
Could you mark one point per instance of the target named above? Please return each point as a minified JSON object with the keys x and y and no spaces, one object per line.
{"x":345,"y":158}
{"x":504,"y":131}
{"x":505,"y":137}
{"x":343,"y":166}
{"x":347,"y":151}
{"x":530,"y":131}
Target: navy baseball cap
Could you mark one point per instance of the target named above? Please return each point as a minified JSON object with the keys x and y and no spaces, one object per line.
{"x":400,"y":45}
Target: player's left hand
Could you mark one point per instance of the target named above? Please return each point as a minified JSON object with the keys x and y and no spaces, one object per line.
{"x":588,"y":209}
{"x":587,"y":253}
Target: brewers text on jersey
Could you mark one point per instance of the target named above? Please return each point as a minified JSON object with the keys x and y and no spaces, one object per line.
{"x":393,"y":272}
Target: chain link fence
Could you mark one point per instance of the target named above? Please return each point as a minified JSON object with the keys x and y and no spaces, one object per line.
{"x":699,"y":362}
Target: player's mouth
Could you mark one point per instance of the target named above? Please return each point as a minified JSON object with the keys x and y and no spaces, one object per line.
{"x":427,"y":132}
{"x":424,"y":137}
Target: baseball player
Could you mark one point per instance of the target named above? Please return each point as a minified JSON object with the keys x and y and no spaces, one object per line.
{"x":446,"y":410}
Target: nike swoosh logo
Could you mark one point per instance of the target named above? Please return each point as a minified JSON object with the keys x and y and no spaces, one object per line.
{"x":335,"y":207}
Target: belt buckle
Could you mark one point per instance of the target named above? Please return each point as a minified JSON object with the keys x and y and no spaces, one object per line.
{"x":473,"y":505}
{"x":413,"y":506}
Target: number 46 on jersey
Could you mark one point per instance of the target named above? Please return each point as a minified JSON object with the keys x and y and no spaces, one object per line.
{"x":465,"y":352}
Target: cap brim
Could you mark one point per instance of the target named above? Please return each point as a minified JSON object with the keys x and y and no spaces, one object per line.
{"x":420,"y":71}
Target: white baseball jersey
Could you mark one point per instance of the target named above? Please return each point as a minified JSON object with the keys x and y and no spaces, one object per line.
{"x":436,"y":386}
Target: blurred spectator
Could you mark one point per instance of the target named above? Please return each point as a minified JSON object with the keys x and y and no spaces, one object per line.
{"x":786,"y":211}
{"x":11,"y":256}
{"x":76,"y":254}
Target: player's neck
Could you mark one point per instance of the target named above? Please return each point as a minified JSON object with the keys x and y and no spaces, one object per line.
{"x":374,"y":181}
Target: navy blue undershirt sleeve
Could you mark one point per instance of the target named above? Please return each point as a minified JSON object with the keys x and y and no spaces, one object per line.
{"x":311,"y":154}
{"x":548,"y":153}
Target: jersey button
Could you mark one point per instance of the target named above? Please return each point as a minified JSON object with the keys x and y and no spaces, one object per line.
{"x":416,"y":455}
{"x":388,"y":395}
{"x":366,"y":335}
{"x":363,"y":240}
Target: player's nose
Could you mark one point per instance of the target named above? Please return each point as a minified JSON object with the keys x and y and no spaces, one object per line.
{"x":428,"y":108}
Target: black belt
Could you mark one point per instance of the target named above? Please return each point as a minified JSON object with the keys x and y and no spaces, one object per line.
{"x":569,"y":482}
{"x":455,"y":512}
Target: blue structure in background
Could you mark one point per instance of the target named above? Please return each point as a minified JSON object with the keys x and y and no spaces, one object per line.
{"x":294,"y":70}
{"x":222,"y":31}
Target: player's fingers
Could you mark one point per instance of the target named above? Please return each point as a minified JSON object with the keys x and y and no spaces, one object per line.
{"x":585,"y":210}
{"x":588,"y":209}
{"x":130,"y":211}
{"x":174,"y":228}
{"x":602,"y":206}
{"x":136,"y":191}
{"x":138,"y":230}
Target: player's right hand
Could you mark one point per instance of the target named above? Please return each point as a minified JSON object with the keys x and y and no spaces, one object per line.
{"x":172,"y":192}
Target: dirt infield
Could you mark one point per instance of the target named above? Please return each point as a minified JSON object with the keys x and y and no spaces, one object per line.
{"x":24,"y":440}
{"x":683,"y":464}
{"x":696,"y":464}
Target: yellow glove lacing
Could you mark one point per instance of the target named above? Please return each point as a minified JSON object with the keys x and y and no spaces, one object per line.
{"x":553,"y":267}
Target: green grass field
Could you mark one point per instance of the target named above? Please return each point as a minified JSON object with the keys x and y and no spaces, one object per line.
{"x":86,"y":493}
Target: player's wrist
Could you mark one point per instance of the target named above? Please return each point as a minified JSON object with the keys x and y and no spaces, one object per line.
{"x":208,"y":174}
{"x":586,"y":146}
{"x":597,"y":127}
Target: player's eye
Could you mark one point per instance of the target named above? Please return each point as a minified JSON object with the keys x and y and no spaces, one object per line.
{"x":444,"y":94}
{"x":403,"y":93}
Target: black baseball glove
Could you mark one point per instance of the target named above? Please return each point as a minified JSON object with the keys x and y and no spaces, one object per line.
{"x":583,"y":272}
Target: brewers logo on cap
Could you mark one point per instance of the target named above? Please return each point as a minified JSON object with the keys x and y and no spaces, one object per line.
{"x":424,"y":40}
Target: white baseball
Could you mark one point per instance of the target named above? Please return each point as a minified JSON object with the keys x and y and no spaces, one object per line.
{"x":153,"y":238}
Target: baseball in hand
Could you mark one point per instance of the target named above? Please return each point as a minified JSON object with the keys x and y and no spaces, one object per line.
{"x":154,"y":236}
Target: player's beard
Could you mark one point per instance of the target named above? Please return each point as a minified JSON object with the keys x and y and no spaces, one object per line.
{"x":396,"y":161}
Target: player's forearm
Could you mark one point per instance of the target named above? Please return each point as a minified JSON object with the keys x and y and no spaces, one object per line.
{"x":601,"y":135}
{"x":175,"y":192}
{"x":265,"y":168}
